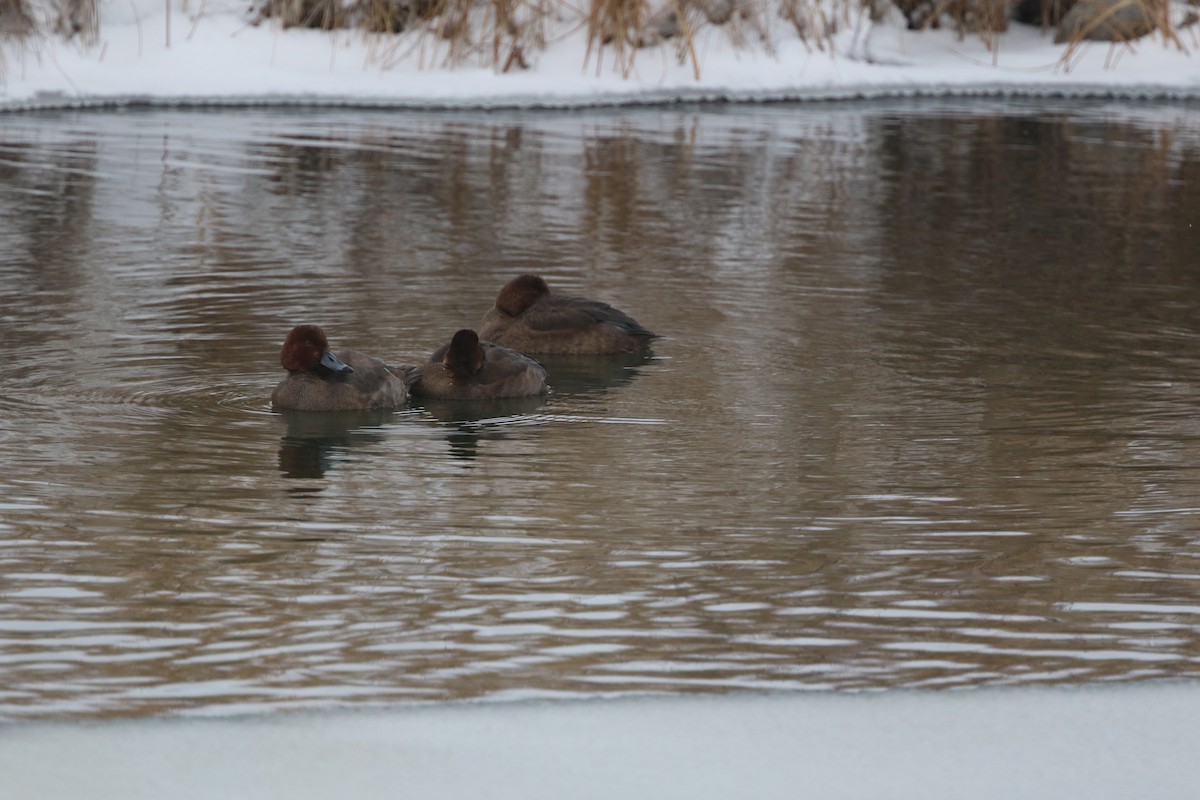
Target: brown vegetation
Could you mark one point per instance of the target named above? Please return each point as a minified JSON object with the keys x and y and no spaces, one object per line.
{"x":505,"y":34}
{"x":15,"y":19}
{"x":500,"y":30}
{"x":67,"y":18}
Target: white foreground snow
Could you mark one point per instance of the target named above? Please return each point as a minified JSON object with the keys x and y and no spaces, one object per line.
{"x":1129,"y":741}
{"x":209,"y":53}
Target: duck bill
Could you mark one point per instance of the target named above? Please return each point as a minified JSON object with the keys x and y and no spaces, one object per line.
{"x":331,"y":362}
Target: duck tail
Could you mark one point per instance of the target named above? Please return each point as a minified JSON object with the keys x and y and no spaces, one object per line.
{"x":409,"y":373}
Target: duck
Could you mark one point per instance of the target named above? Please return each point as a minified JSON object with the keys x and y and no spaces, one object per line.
{"x":321,"y":380}
{"x":466,"y":368}
{"x":530,"y":318}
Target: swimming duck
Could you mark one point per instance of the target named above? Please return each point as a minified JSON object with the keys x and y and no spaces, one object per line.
{"x":467,"y":369}
{"x":321,"y":380}
{"x":529,"y":318}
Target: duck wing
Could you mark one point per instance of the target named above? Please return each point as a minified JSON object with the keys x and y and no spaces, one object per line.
{"x":572,"y":313}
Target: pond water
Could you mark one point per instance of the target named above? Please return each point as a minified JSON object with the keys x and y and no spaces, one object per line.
{"x":924,"y":413}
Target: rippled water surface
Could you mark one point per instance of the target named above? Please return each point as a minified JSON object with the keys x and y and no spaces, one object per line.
{"x":925,"y":412}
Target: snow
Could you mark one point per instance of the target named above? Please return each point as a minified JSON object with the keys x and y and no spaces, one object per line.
{"x":210,"y":53}
{"x":1097,"y":742}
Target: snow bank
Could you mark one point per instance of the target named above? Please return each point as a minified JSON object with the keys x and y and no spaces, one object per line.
{"x":211,"y":55}
{"x":1095,"y":742}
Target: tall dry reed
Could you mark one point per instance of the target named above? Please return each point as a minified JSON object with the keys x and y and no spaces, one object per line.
{"x":503,"y":34}
{"x":508,"y":34}
{"x":618,"y":26}
{"x":1121,"y":23}
{"x":16,"y":21}
{"x":78,"y":18}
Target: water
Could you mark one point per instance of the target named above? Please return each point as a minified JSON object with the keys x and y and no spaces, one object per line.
{"x":924,"y":416}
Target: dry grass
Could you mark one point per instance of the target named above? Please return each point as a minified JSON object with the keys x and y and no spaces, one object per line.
{"x":618,"y":26}
{"x":79,"y":18}
{"x":1121,"y":23}
{"x":1117,"y":21}
{"x":507,"y":34}
{"x":321,"y":14}
{"x":495,"y":33}
{"x":983,"y":17}
{"x":618,"y":29}
{"x":16,"y":21}
{"x":20,"y":19}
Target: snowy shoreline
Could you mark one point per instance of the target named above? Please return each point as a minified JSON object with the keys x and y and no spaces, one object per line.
{"x":217,"y":59}
{"x":1149,"y":93}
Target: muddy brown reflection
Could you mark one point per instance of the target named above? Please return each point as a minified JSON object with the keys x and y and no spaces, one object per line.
{"x":924,"y":414}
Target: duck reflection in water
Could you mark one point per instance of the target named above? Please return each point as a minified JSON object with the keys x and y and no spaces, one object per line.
{"x":595,"y":374}
{"x":317,"y":442}
{"x":467,"y":423}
